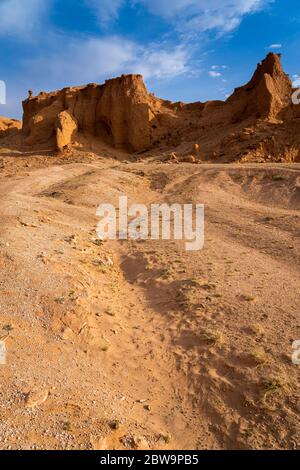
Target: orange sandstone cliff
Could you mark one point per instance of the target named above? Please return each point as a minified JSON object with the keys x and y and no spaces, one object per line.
{"x":267,"y":94}
{"x":257,"y":122}
{"x":117,"y":112}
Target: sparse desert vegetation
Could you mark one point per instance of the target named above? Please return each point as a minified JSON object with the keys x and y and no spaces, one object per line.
{"x":113,"y":343}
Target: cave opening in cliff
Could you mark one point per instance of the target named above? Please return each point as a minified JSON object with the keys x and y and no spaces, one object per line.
{"x":104,"y":131}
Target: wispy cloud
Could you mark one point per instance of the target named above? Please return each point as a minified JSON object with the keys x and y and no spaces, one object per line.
{"x":96,"y":59}
{"x":216,"y":71}
{"x":93,"y":60}
{"x":186,"y":15}
{"x":20,"y":18}
{"x":66,"y":59}
{"x":275,"y":46}
{"x":219,"y":67}
{"x":200,"y":15}
{"x":157,"y":62}
{"x":214,"y":74}
{"x":105,"y":10}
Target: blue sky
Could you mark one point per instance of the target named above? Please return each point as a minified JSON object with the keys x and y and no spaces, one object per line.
{"x":189,"y":50}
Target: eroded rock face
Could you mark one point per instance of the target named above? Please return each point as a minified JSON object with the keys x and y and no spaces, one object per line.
{"x":118,"y":112}
{"x":122,"y":114}
{"x":41,"y":126}
{"x":9,"y":127}
{"x":267,"y":94}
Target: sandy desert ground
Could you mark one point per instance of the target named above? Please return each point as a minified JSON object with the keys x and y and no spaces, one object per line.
{"x":143,"y":345}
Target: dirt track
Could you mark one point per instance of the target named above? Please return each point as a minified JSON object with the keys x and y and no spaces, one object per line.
{"x":176,"y":349}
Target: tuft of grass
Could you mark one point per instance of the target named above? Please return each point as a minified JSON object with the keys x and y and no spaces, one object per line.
{"x":109,"y":311}
{"x":249,"y":298}
{"x":212,"y":337}
{"x":8,"y":328}
{"x":273,"y":386}
{"x":278,"y":178}
{"x":260,"y":357}
{"x":165,"y":273}
{"x":97,"y":242}
{"x":67,"y":426}
{"x":257,"y":329}
{"x":60,"y":300}
{"x":72,"y":295}
{"x":167,"y":438}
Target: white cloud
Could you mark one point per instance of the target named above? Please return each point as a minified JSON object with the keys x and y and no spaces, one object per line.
{"x":186,"y":15}
{"x":218,"y":67}
{"x":214,"y":74}
{"x":200,"y":15}
{"x":96,"y":59}
{"x":275,"y":46}
{"x":163,"y":63}
{"x":21,"y":17}
{"x":93,"y":60}
{"x":105,"y":10}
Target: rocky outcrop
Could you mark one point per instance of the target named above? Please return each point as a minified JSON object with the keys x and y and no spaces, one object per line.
{"x":9,"y":127}
{"x":40,"y":125}
{"x":122,"y":114}
{"x":66,"y":128}
{"x":267,"y":94}
{"x":117,"y":112}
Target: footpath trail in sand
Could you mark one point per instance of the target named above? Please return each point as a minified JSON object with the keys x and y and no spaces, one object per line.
{"x":143,"y":344}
